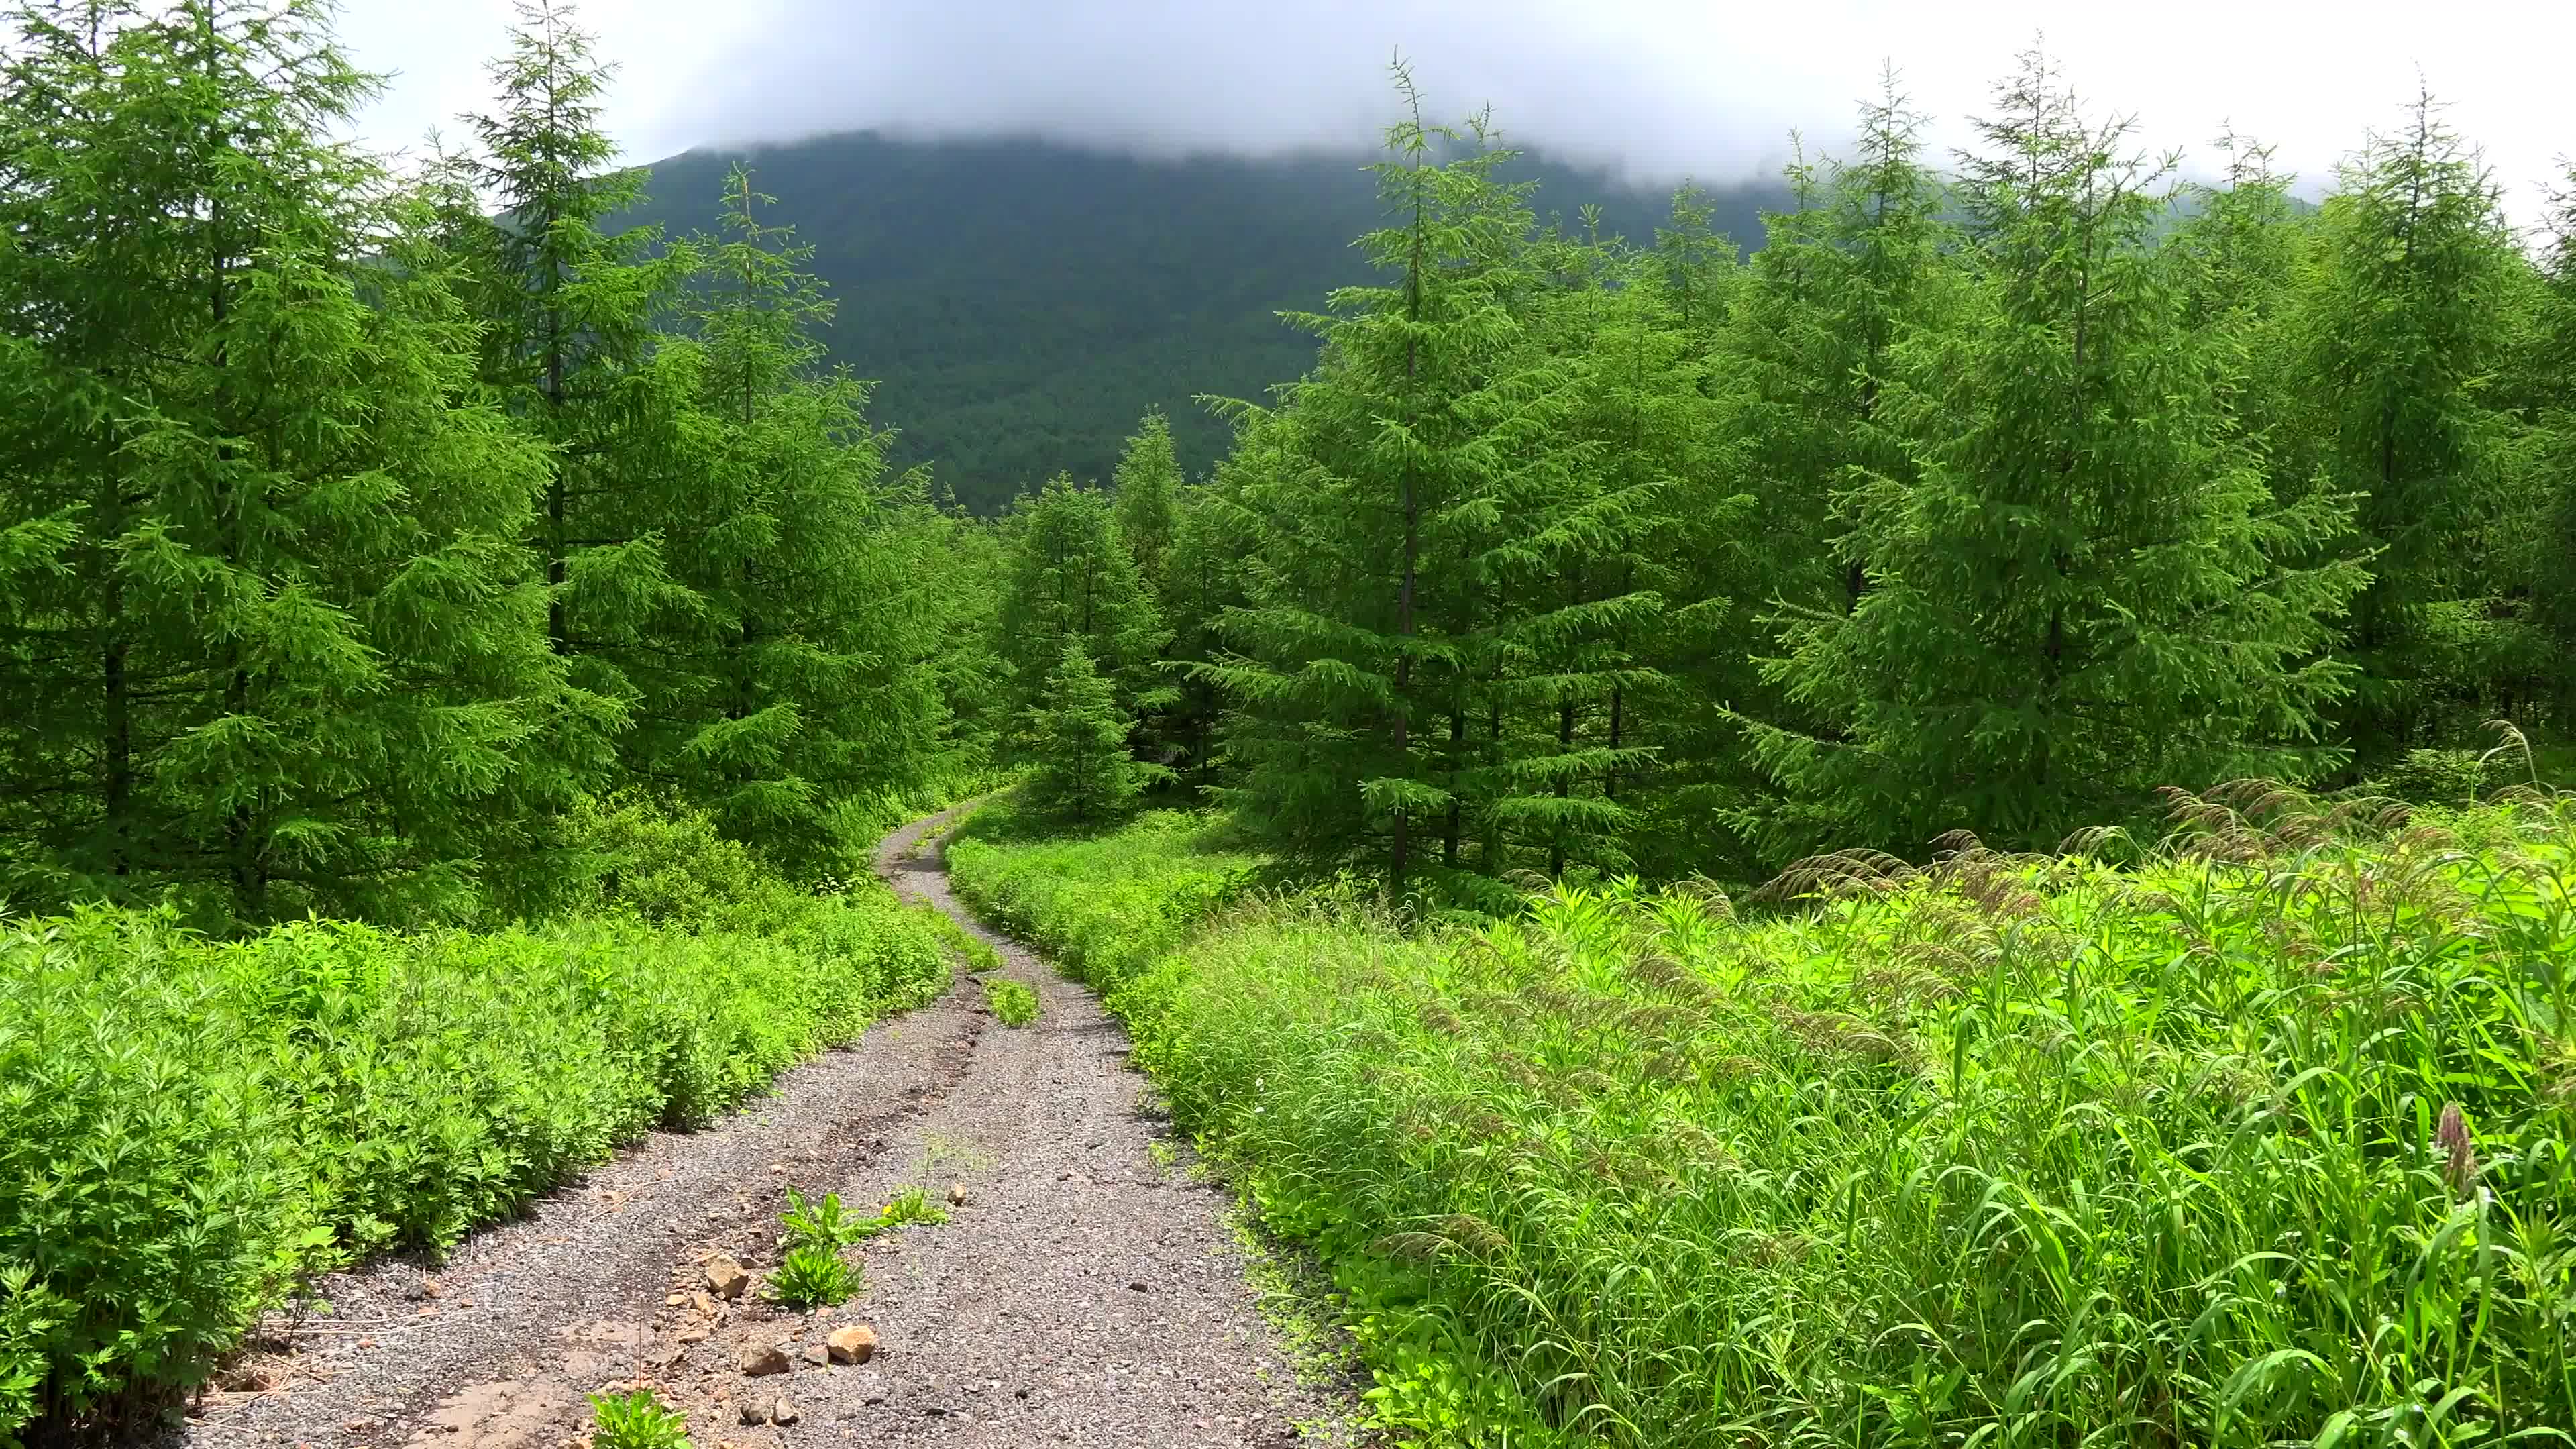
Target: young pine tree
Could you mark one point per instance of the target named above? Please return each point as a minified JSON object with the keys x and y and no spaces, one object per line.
{"x":1072,"y":577}
{"x":2080,"y":595}
{"x":277,"y":652}
{"x":1076,"y":740}
{"x":2412,"y":313}
{"x":1622,"y":464}
{"x":2246,"y":260}
{"x":1147,"y":487}
{"x":2552,"y":393}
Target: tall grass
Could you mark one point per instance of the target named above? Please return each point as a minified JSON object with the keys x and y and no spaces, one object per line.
{"x":2262,"y":1138}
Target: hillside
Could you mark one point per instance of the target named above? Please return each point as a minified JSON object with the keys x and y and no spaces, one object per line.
{"x":1024,"y":304}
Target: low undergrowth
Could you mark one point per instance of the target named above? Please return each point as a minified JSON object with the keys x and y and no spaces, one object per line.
{"x":190,"y":1128}
{"x":1013,"y":1003}
{"x":2259,"y":1138}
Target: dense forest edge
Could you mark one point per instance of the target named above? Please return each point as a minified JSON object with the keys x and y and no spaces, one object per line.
{"x":1947,"y":828}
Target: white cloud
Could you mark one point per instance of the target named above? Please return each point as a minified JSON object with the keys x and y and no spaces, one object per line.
{"x":1660,"y":88}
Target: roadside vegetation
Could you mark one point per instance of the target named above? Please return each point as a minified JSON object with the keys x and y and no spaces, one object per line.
{"x":198,"y":1126}
{"x":2260,"y":1135}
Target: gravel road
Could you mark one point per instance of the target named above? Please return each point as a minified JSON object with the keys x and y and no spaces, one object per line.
{"x":1086,"y":1292}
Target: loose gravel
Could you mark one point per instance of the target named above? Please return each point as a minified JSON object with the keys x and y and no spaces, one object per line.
{"x":1088,"y":1290}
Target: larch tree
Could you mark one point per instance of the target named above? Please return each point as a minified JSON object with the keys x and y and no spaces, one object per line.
{"x":2409,"y":321}
{"x":1864,"y":263}
{"x":279,"y":650}
{"x":1075,"y":738}
{"x":803,"y":689}
{"x":2551,"y":368}
{"x":1072,"y":576}
{"x":1147,"y":488}
{"x":2080,"y":594}
{"x":1362,"y":663}
{"x":573,"y":308}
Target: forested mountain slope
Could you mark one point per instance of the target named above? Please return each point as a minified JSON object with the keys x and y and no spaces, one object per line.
{"x":1023,"y":303}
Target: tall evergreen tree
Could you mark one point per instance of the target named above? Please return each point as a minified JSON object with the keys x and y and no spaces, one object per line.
{"x":1584,"y":549}
{"x":2410,"y":319}
{"x":803,"y":688}
{"x":573,"y":307}
{"x":2247,"y":262}
{"x":2551,"y":542}
{"x":1201,"y":579}
{"x":276,"y":653}
{"x":2080,"y":595}
{"x":1147,"y":486}
{"x":1363,"y":662}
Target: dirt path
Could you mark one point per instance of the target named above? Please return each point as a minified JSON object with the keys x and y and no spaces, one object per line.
{"x":1085,"y":1293}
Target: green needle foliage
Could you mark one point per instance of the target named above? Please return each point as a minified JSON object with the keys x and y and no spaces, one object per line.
{"x":2086,"y":591}
{"x":1076,"y":741}
{"x":803,"y":686}
{"x":269,"y":642}
{"x":2415,"y":313}
{"x":1365,"y":658}
{"x":1147,"y":490}
{"x":1072,"y":579}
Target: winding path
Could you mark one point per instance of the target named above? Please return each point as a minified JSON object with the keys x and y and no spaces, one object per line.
{"x":1087,"y":1291}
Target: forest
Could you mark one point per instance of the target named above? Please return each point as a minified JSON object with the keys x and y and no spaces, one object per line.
{"x":2049,"y":635}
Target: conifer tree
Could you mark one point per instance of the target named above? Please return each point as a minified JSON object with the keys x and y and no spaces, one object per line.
{"x":2411,"y":317}
{"x":274,"y":651}
{"x":1199,"y":582}
{"x":573,"y":308}
{"x":1362,"y":662}
{"x":1073,"y":577}
{"x":2247,"y":264}
{"x":2552,"y":538}
{"x":1077,"y":740}
{"x":2080,"y":595}
{"x":1147,"y":487}
{"x":1858,"y":267}
{"x":804,"y":687}
{"x":1582,"y":551}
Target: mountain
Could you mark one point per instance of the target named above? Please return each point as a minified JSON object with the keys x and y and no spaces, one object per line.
{"x":1023,"y":304}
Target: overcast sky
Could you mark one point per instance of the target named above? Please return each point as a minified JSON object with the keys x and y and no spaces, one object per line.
{"x":1657,"y":88}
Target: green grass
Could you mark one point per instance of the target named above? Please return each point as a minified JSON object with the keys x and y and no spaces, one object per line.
{"x":1102,"y":906}
{"x":1014,"y":1003}
{"x":190,"y":1128}
{"x":2262,"y":1139}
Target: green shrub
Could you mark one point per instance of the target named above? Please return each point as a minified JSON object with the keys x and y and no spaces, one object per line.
{"x":2266,"y":1139}
{"x":148,"y":1202}
{"x":1015,"y":1003}
{"x":1104,"y":906}
{"x":813,"y":1275}
{"x":2433,"y":777}
{"x":637,"y":1421}
{"x":190,"y":1127}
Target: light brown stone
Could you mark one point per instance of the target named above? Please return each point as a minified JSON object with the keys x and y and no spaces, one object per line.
{"x":851,"y":1343}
